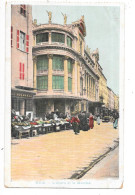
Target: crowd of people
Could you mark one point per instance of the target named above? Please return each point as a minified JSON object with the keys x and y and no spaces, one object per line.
{"x":85,"y":121}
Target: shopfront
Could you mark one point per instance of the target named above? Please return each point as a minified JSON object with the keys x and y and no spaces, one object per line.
{"x":22,"y":102}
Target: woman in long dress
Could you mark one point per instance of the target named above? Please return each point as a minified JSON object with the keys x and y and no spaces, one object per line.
{"x":75,"y":124}
{"x":115,"y":122}
{"x":91,"y":121}
{"x":98,"y":119}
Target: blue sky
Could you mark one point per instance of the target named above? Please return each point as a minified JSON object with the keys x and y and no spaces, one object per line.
{"x":102,"y":32}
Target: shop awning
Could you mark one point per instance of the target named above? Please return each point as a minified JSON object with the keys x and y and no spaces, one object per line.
{"x":22,"y":93}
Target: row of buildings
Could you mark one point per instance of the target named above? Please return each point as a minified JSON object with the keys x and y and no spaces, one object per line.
{"x":52,"y":69}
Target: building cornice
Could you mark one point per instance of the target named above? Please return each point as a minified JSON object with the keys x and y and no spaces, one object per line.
{"x":57,"y":27}
{"x":72,"y":97}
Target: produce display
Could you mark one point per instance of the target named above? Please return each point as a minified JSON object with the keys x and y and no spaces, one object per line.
{"x":22,"y":127}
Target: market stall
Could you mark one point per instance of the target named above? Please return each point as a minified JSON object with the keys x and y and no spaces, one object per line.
{"x":21,"y":126}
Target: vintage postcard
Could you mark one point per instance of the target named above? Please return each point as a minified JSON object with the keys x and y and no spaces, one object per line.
{"x":64,"y":94}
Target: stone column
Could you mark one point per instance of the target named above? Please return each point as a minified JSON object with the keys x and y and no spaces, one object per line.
{"x":83,"y":77}
{"x":86,"y":83}
{"x":65,"y":39}
{"x":75,"y":66}
{"x":79,"y":106}
{"x":34,"y":109}
{"x":50,"y":57}
{"x":73,"y":77}
{"x":22,"y":107}
{"x":78,"y":78}
{"x":94,"y":88}
{"x":50,"y":41}
{"x":88,"y":87}
{"x":65,"y":74}
{"x":78,"y":45}
{"x":35,"y":72}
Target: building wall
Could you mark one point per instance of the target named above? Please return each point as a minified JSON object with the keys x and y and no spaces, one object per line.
{"x":116,"y":102}
{"x":103,"y":91}
{"x":84,"y":76}
{"x":110,"y":99}
{"x":21,"y":23}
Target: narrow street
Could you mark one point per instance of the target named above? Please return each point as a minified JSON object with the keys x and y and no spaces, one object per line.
{"x":60,"y":155}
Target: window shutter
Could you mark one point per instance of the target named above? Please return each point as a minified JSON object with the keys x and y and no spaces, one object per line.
{"x":23,"y":72}
{"x":20,"y":70}
{"x":18,"y":38}
{"x":11,"y":36}
{"x":20,"y":66}
{"x":27,"y":43}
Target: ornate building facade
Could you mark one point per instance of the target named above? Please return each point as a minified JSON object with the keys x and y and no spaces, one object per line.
{"x":65,"y":76}
{"x":103,"y":92}
{"x":110,"y":99}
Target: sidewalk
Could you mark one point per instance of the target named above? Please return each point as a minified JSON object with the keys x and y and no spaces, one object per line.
{"x":107,"y":168}
{"x":59,"y":155}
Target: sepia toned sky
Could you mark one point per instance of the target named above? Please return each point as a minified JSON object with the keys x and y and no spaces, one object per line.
{"x":102,"y":32}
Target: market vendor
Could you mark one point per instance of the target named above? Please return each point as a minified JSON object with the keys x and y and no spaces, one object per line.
{"x":55,"y":116}
{"x":68,"y":115}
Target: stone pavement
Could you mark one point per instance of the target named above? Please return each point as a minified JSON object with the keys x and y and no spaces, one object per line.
{"x":59,"y":155}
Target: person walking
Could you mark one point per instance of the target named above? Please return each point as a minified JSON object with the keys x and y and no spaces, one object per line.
{"x":83,"y":121}
{"x":98,"y":119}
{"x":91,"y":121}
{"x":75,"y":124}
{"x":115,"y":122}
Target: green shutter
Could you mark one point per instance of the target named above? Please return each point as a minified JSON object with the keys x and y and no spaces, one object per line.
{"x":58,"y":63}
{"x":69,"y":84}
{"x":42,"y":82}
{"x":58,"y":37}
{"x":42,"y":63}
{"x":69,"y":41}
{"x":58,"y":82}
{"x":43,"y":37}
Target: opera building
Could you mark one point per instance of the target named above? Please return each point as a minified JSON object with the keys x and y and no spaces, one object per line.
{"x":65,"y":76}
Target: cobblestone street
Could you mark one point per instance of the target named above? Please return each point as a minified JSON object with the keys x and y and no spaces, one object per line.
{"x":59,"y":155}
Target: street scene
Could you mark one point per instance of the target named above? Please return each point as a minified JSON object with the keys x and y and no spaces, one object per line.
{"x":65,"y":155}
{"x":64,"y":92}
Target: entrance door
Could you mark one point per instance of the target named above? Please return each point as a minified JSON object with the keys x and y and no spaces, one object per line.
{"x":59,"y":105}
{"x":40,"y":107}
